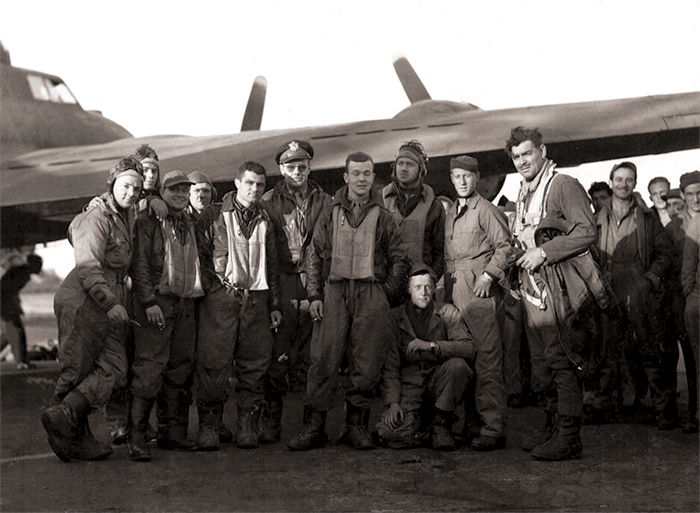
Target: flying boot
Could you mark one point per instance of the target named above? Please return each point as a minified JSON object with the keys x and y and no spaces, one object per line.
{"x":136,"y":442}
{"x":544,"y":434}
{"x":271,"y":422}
{"x":441,"y":431}
{"x":248,"y":426}
{"x":565,"y":444}
{"x":356,"y":432}
{"x":209,"y":427}
{"x":313,"y":434}
{"x":61,"y":422}
{"x":85,"y":446}
{"x":226,"y":436}
{"x":174,"y":406}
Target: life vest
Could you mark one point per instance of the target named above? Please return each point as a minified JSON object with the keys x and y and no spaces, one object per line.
{"x":246,"y":267}
{"x":181,"y":275}
{"x":532,"y":287}
{"x":528,"y":220}
{"x":412,"y":226}
{"x":353,"y":248}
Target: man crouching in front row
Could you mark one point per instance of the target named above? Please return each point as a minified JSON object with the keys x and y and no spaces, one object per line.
{"x":426,"y":371}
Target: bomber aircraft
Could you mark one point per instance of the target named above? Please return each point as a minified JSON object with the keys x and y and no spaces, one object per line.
{"x":55,"y":155}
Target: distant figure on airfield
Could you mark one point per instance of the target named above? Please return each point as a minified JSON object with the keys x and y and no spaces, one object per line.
{"x":11,"y":283}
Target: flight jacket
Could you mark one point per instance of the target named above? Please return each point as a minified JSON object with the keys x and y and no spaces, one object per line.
{"x":390,"y":258}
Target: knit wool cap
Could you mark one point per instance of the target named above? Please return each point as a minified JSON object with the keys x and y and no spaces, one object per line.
{"x":411,"y":153}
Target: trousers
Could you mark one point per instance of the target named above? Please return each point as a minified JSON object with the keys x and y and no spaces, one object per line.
{"x":233,"y":327}
{"x":356,"y":324}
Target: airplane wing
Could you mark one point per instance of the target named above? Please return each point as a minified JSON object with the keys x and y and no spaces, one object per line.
{"x":41,"y":191}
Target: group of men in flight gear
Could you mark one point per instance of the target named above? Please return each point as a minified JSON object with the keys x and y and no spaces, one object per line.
{"x":240,"y":287}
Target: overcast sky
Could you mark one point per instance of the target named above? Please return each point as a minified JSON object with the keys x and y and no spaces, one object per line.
{"x":174,"y":68}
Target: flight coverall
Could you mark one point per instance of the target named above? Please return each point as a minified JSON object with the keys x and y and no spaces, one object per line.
{"x":554,"y":367}
{"x":477,"y":241}
{"x":421,"y":218}
{"x":676,"y":330}
{"x":632,"y":251}
{"x":91,"y":349}
{"x":293,"y":221}
{"x":690,"y":280}
{"x":234,"y":321}
{"x":438,"y":378}
{"x":166,"y":273}
{"x":368,"y":265}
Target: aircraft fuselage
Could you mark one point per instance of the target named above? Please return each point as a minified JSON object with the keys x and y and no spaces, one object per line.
{"x":38,"y":111}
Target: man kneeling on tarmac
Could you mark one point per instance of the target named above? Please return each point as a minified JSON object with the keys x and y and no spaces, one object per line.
{"x":426,"y":371}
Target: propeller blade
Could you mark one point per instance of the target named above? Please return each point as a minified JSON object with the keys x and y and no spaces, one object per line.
{"x":252,"y":119}
{"x":415,"y":90}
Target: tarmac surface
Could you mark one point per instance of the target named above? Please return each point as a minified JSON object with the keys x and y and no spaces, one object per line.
{"x":625,"y":467}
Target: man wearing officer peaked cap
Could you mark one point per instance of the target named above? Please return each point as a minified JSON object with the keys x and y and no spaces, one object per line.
{"x":294,"y":205}
{"x":294,"y":150}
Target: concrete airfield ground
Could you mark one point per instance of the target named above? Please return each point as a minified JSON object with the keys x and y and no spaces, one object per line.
{"x":626,"y":467}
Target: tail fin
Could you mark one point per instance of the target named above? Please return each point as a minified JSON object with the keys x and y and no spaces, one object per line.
{"x":252,"y":119}
{"x":415,"y":90}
